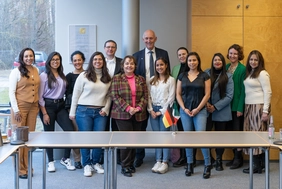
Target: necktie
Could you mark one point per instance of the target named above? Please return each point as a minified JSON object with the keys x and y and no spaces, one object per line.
{"x":152,"y":65}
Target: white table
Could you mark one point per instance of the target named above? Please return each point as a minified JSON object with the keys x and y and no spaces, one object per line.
{"x":68,"y":140}
{"x":11,"y":150}
{"x":191,"y":140}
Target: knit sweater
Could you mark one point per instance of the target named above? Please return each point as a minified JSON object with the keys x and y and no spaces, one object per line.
{"x":89,"y":93}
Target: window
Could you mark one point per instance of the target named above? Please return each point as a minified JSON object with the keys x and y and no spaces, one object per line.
{"x":24,"y":23}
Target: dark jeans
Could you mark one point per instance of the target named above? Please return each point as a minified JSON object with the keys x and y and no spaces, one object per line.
{"x":236,"y":124}
{"x":127,"y":155}
{"x":57,"y":112}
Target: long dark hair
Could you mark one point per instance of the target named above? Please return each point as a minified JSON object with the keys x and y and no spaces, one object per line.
{"x":223,"y":78}
{"x":156,"y":78}
{"x":254,"y":73}
{"x":51,"y":78}
{"x":197,"y":57}
{"x":90,"y":73}
{"x":22,"y":68}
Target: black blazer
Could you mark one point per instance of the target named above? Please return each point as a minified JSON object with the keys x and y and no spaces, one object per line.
{"x":140,"y":58}
{"x":117,"y":68}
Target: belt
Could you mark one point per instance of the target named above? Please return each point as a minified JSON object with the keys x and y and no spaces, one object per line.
{"x":54,"y":100}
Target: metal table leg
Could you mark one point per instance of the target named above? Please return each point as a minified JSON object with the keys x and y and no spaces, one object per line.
{"x":267,"y":168}
{"x":16,"y":163}
{"x":251,"y":168}
{"x":29,"y":183}
{"x":44,"y":169}
{"x":106,"y":172}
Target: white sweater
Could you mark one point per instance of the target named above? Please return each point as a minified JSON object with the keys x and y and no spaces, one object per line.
{"x":86,"y":92}
{"x":258,"y":90}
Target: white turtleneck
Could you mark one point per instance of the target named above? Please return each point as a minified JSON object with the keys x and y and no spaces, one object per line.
{"x":88,"y":93}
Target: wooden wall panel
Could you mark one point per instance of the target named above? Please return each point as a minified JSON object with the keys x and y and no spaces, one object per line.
{"x":215,"y":34}
{"x":215,"y":7}
{"x":262,"y":8}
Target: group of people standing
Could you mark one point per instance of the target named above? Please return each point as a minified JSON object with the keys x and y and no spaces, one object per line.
{"x":123,"y":94}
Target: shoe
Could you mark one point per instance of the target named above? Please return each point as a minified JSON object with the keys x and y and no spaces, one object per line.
{"x":126,"y":172}
{"x":189,"y":170}
{"x":78,"y":165}
{"x":207,"y":172}
{"x":67,"y":164}
{"x":180,"y":162}
{"x":156,"y":167}
{"x":51,"y":167}
{"x":138,"y":163}
{"x":87,"y":171}
{"x":98,"y":168}
{"x":163,"y":168}
{"x":228,"y":164}
{"x":24,"y":176}
{"x":255,"y":170}
{"x":218,"y":165}
{"x":237,"y":163}
{"x":132,"y":169}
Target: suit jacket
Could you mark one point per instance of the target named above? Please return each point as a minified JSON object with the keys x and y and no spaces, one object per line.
{"x":120,"y":93}
{"x":140,"y":58}
{"x":238,"y":102}
{"x":222,"y":105}
{"x":117,"y":68}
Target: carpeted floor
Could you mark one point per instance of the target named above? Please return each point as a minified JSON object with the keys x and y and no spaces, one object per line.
{"x":142,"y":179}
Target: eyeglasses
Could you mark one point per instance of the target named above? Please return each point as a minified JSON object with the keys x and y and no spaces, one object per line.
{"x":55,"y":60}
{"x":110,"y":47}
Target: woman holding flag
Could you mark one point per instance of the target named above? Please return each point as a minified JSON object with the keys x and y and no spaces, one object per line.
{"x":161,"y":97}
{"x":192,"y":94}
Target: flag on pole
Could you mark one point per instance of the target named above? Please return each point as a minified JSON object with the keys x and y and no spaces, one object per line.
{"x":169,"y":118}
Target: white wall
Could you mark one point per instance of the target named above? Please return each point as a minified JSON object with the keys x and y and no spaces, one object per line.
{"x":168,"y":18}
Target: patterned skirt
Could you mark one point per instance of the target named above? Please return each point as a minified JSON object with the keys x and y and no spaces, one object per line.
{"x":252,"y":122}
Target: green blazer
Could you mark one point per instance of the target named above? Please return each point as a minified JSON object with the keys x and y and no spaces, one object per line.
{"x":175,"y":71}
{"x":238,"y":102}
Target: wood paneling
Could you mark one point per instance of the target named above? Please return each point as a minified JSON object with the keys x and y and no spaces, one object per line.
{"x":218,"y":24}
{"x":215,"y":7}
{"x":214,"y":34}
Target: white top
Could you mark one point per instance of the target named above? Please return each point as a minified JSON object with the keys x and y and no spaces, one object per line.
{"x":258,"y":90}
{"x":111,"y":65}
{"x":88,"y":93}
{"x":162,"y":94}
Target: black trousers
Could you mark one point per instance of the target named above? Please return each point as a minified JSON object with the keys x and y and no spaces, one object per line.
{"x":127,"y":155}
{"x":57,"y":113}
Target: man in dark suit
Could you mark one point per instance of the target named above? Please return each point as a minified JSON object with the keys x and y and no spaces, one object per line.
{"x":143,"y":68}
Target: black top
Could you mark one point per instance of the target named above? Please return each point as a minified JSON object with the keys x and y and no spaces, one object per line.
{"x":71,"y":78}
{"x":193,"y":92}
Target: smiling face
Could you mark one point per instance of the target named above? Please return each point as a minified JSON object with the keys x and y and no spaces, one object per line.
{"x":254,"y":61}
{"x":110,"y":49}
{"x":233,"y":56}
{"x":193,"y":62}
{"x":182,"y":55}
{"x":77,"y":62}
{"x":129,"y":66}
{"x":149,"y":38}
{"x":55,"y":62}
{"x":28,"y":58}
{"x":160,"y":66}
{"x":98,"y":62}
{"x":217,"y":63}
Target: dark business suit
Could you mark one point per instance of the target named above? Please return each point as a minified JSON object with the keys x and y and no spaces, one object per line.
{"x":141,"y":70}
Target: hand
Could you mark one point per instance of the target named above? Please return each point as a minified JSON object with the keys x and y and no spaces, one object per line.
{"x":264,"y":117}
{"x":211,"y":109}
{"x":18,"y":117}
{"x":102,"y":113}
{"x":153,"y":114}
{"x":132,"y":110}
{"x":239,"y":114}
{"x":188,"y":112}
{"x":72,"y":117}
{"x":46,"y":119}
{"x":194,"y":112}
